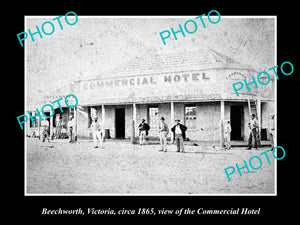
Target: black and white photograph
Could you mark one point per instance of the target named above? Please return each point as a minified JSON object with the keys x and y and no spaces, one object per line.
{"x":150,"y":105}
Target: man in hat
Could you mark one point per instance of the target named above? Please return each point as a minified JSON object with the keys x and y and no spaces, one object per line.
{"x":179,"y":134}
{"x":70,"y":126}
{"x":143,"y":131}
{"x":97,"y":132}
{"x":272,"y":129}
{"x":163,"y":130}
{"x":253,"y":126}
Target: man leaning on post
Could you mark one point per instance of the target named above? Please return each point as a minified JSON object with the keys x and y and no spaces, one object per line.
{"x":179,"y":135}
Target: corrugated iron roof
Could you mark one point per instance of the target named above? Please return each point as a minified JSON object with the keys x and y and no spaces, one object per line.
{"x":204,"y":58}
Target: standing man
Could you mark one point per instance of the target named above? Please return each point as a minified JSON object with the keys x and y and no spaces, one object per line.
{"x":70,"y":126}
{"x":143,"y":131}
{"x":45,"y":127}
{"x":179,"y":134}
{"x":272,"y":129}
{"x":97,"y":132}
{"x":227,"y":131}
{"x":253,"y":126}
{"x":163,"y":130}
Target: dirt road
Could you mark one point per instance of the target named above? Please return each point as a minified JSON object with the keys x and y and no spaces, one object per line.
{"x":121,"y":168}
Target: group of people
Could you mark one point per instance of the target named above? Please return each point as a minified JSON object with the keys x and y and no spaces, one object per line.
{"x":179,"y":132}
{"x":45,"y":130}
{"x":97,"y":130}
{"x":253,"y":132}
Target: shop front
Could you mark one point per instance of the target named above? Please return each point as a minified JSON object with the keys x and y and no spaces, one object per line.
{"x":194,"y":87}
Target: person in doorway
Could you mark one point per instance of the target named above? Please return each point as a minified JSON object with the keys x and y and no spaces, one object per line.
{"x":227,"y":132}
{"x":70,"y":126}
{"x":272,"y":129}
{"x":97,"y":132}
{"x":163,"y":130}
{"x":179,"y":135}
{"x":45,"y":127}
{"x":143,"y":131}
{"x":253,"y":128}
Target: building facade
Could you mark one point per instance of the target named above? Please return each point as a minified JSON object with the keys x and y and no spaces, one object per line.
{"x":195,"y":87}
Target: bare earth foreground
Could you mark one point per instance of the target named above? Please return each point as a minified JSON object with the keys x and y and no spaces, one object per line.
{"x":122,"y":168}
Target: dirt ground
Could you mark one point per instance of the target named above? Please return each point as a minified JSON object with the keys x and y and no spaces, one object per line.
{"x":59,"y":167}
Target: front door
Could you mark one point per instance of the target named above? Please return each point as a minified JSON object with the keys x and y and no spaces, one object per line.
{"x":236,"y":120}
{"x":120,"y":122}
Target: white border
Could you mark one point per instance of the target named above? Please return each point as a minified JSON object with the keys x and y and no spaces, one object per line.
{"x":191,"y":195}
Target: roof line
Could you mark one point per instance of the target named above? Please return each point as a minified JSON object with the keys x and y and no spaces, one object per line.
{"x":160,"y":73}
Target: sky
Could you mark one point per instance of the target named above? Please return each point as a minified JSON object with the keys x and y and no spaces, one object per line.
{"x":95,"y":45}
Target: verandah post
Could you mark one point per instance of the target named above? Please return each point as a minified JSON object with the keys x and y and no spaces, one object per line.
{"x":222,"y":123}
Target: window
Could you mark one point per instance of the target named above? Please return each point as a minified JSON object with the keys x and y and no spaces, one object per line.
{"x":153,"y":117}
{"x":190,"y":116}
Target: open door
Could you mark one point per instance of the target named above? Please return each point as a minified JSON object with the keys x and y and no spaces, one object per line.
{"x":236,"y":120}
{"x":120,"y":122}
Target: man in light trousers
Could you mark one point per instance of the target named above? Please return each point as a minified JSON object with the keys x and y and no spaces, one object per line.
{"x":163,"y":130}
{"x":70,"y":126}
{"x":97,"y":132}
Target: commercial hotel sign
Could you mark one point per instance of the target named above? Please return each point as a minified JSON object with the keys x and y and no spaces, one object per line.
{"x":144,"y":80}
{"x":160,"y":87}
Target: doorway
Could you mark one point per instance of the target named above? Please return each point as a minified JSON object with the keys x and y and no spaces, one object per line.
{"x":236,"y":120}
{"x":49,"y":122}
{"x":120,"y":122}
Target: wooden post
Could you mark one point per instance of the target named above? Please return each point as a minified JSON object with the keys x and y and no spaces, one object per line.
{"x":133,"y":123}
{"x":222,"y":116}
{"x":172,"y":113}
{"x":250,"y":113}
{"x":172,"y":119}
{"x":39,"y":126}
{"x":75,"y":120}
{"x":259,"y":120}
{"x":249,"y":107}
{"x":51,"y":128}
{"x":103,"y":121}
{"x":103,"y":115}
